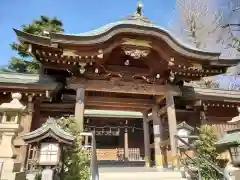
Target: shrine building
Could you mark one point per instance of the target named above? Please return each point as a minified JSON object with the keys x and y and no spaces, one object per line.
{"x":130,"y":81}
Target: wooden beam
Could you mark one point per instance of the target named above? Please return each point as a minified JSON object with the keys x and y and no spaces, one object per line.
{"x":141,"y":104}
{"x":110,"y":100}
{"x":117,"y":105}
{"x":57,"y":106}
{"x":61,"y":111}
{"x":28,"y":87}
{"x":116,"y":108}
{"x":124,"y":87}
{"x":128,"y":69}
{"x":69,"y":107}
{"x":119,"y":101}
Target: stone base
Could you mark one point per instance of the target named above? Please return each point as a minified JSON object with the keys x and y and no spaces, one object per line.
{"x":159,"y":168}
{"x":13,"y":176}
{"x":11,"y":170}
{"x":236,"y":175}
{"x":232,"y":172}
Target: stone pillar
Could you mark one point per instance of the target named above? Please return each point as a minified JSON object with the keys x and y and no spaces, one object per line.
{"x":146,"y":140}
{"x":157,"y":128}
{"x":172,"y":122}
{"x":79,"y":108}
{"x":9,"y":126}
{"x":126,"y":142}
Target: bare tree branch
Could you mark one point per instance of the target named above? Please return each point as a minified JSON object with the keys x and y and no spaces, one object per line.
{"x":200,"y":23}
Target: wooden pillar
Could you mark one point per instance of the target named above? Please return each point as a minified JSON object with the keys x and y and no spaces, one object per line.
{"x":146,"y":140}
{"x":79,"y":108}
{"x":203,"y":116}
{"x":126,"y":141}
{"x":172,"y":122}
{"x":26,"y":124}
{"x":157,"y":128}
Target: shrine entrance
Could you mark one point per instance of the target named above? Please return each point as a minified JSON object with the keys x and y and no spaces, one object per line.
{"x":117,"y":139}
{"x":130,"y":66}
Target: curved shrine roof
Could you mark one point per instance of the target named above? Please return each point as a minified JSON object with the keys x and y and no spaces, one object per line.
{"x":49,"y":129}
{"x":136,"y":23}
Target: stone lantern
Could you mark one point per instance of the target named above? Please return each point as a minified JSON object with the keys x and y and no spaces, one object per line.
{"x":9,"y":126}
{"x":49,"y":139}
{"x":231,"y":142}
{"x":184,"y":130}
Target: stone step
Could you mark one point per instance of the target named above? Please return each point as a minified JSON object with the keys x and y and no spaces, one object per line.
{"x":138,"y":173}
{"x":109,"y":163}
{"x":140,"y":176}
{"x":132,"y":169}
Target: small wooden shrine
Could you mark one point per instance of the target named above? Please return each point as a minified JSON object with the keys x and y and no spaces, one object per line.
{"x":48,"y":141}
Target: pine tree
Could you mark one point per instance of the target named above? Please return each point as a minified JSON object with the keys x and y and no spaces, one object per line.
{"x":41,"y":27}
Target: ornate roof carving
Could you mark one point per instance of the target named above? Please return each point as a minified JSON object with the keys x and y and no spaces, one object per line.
{"x":49,"y":129}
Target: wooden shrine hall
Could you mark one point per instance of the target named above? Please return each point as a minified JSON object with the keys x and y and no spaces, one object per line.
{"x":131,"y":81}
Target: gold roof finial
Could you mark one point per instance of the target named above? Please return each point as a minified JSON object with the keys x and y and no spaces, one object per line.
{"x":139,"y":8}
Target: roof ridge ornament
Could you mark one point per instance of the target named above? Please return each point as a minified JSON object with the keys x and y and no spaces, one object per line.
{"x":139,"y":9}
{"x":138,"y":15}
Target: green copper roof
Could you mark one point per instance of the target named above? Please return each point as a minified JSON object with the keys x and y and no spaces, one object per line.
{"x":108,"y":113}
{"x":13,"y":77}
{"x":141,"y":21}
{"x":49,"y":129}
{"x":230,"y":138}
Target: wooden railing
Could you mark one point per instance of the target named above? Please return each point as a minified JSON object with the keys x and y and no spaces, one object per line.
{"x":133,"y":154}
{"x":118,"y":154}
{"x":195,"y":171}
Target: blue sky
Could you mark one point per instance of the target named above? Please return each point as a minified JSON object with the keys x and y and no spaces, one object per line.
{"x":77,"y":15}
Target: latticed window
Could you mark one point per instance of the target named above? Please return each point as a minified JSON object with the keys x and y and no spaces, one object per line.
{"x":49,"y":153}
{"x":235,"y":153}
{"x":32,"y":159}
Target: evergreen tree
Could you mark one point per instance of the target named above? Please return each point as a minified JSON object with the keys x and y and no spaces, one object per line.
{"x":206,"y":150}
{"x":41,"y":27}
{"x":75,"y":161}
